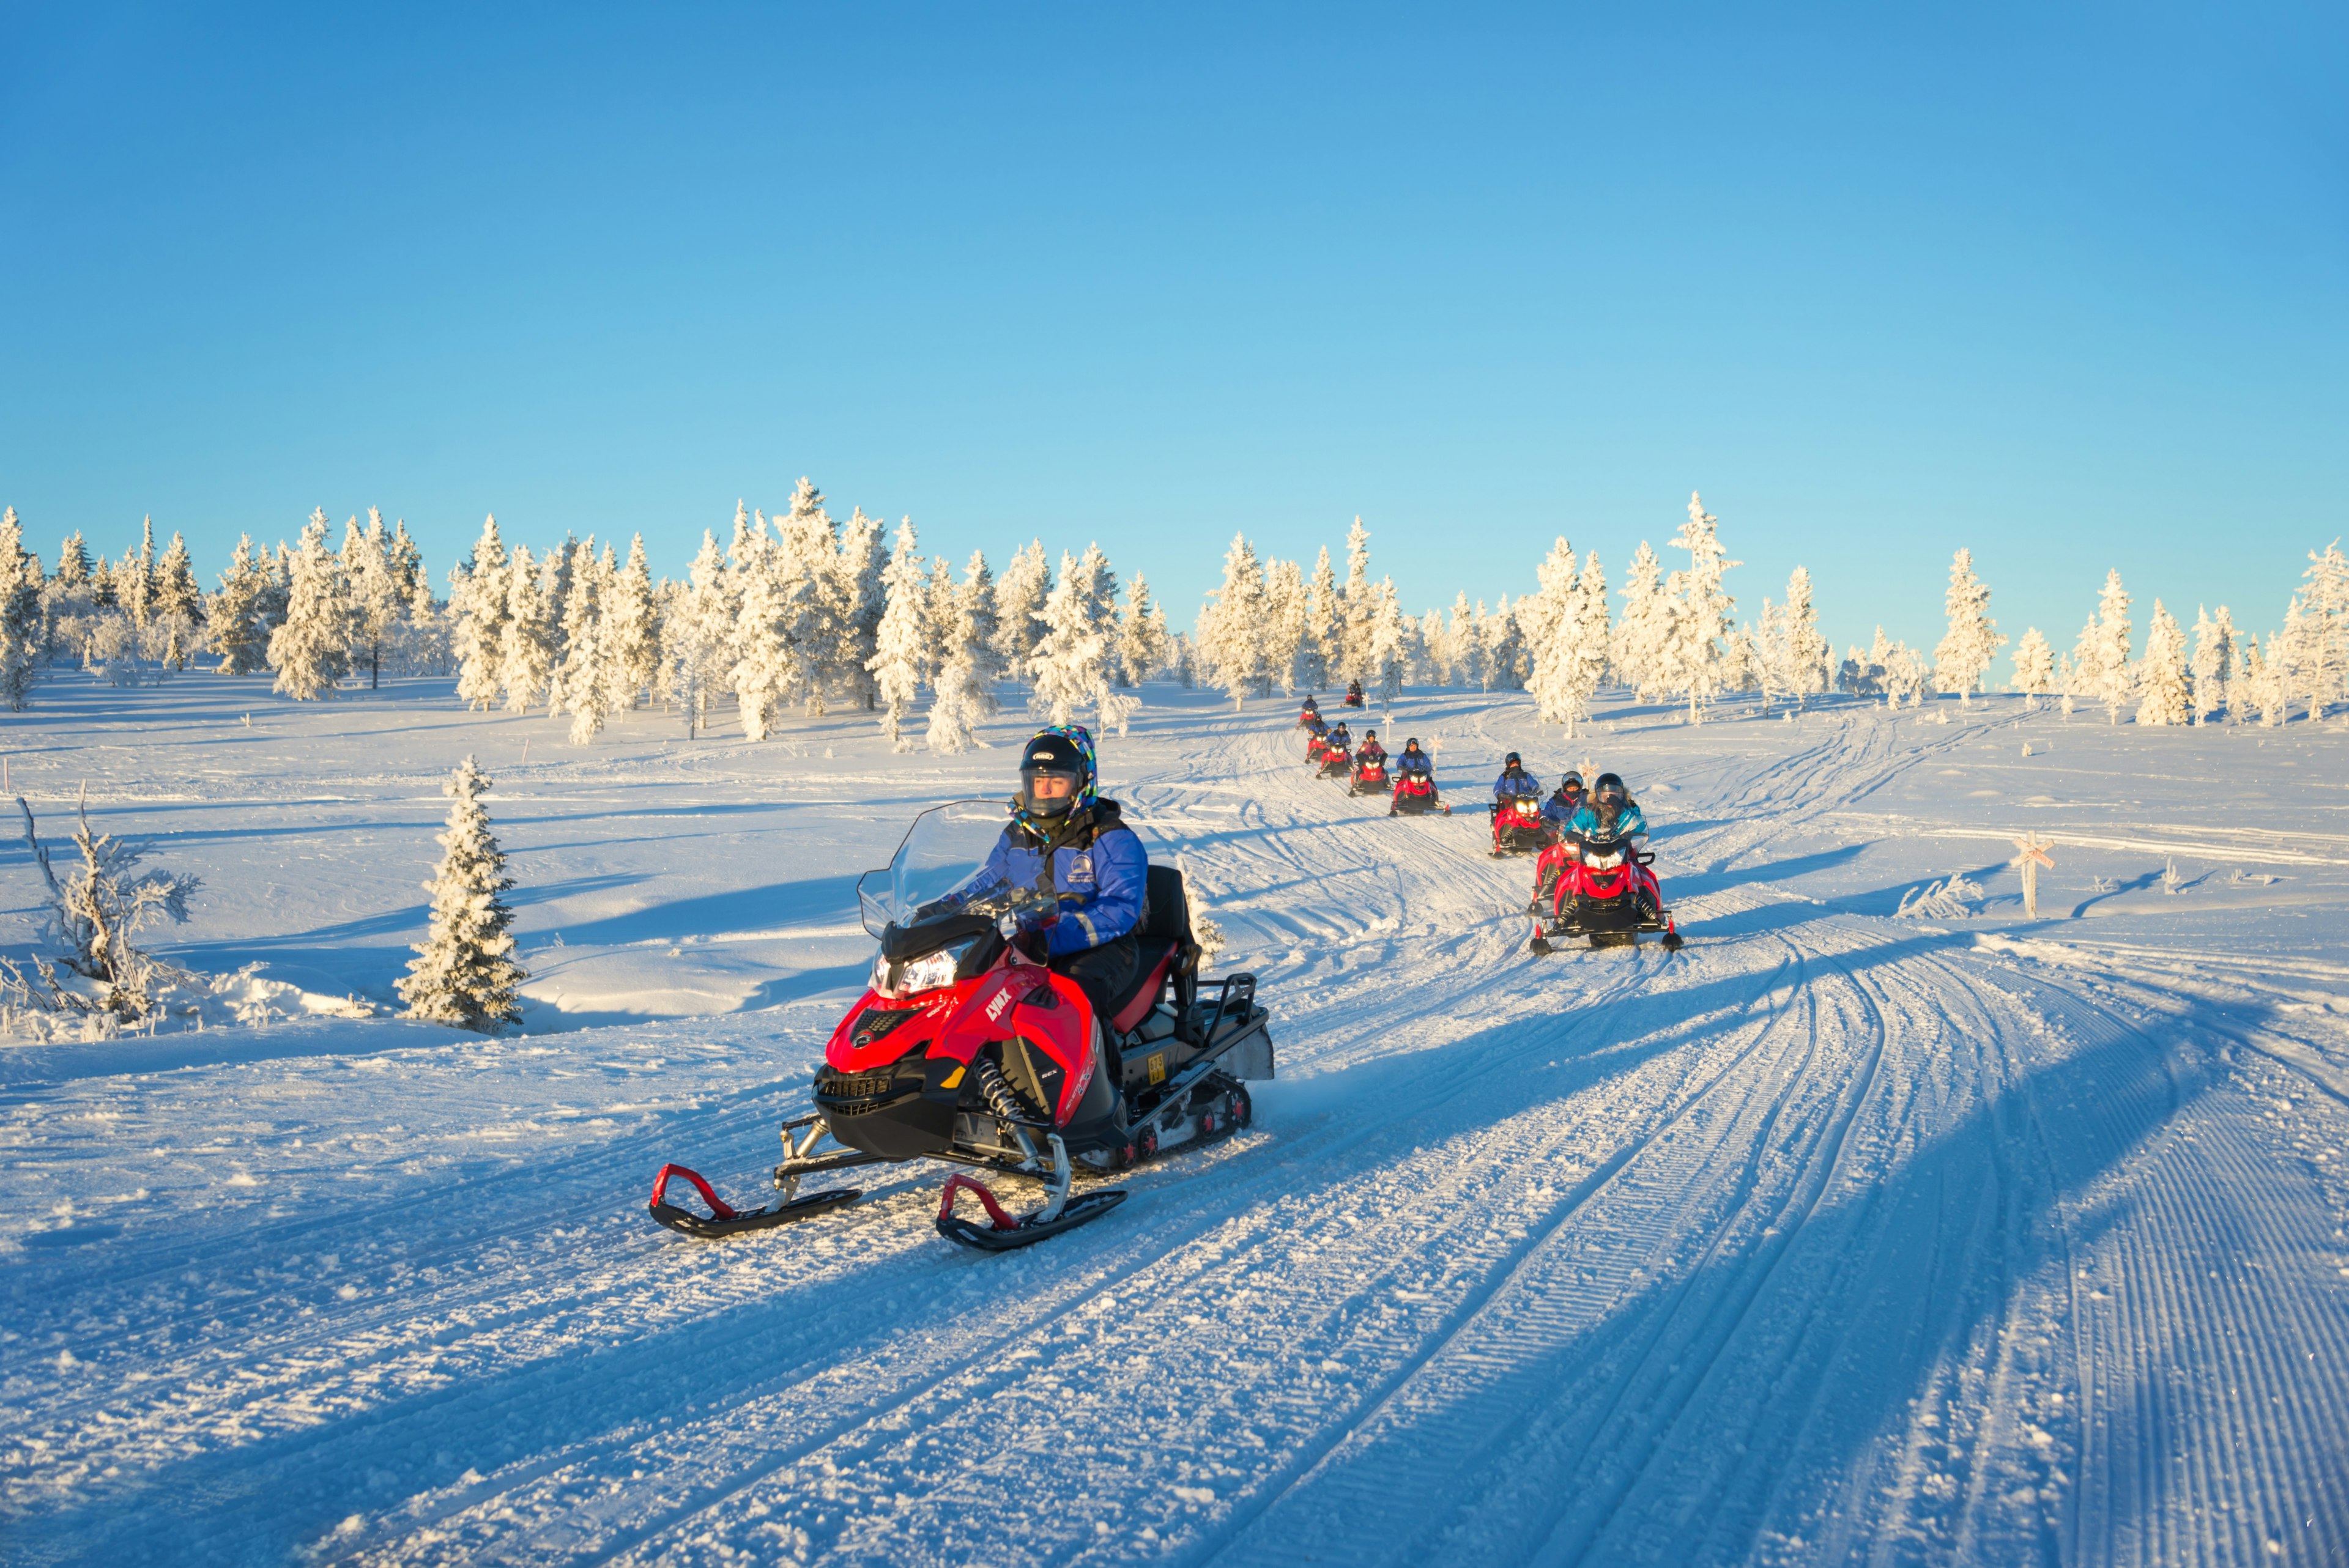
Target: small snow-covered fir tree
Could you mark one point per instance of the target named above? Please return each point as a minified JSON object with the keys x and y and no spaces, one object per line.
{"x":2163,"y":696}
{"x":311,"y":651}
{"x":1287,"y":625}
{"x":1230,"y":638}
{"x":767,"y":657}
{"x":237,"y":632}
{"x":1325,"y":625}
{"x":2111,"y":674}
{"x":463,"y":972}
{"x":378,"y":601}
{"x":526,"y":651}
{"x":1807,"y":653}
{"x":698,"y":640}
{"x":1390,"y":645}
{"x":573,"y":684}
{"x":177,"y":609}
{"x":477,"y":592}
{"x":1359,"y":602}
{"x":1548,"y":616}
{"x":1143,"y":644}
{"x":1703,"y":612}
{"x":2262,"y":689}
{"x":902,"y":652}
{"x":1020,"y":595}
{"x":1592,"y":639}
{"x":1506,"y":664}
{"x":2214,"y":662}
{"x":2034,"y":666}
{"x":810,"y":610}
{"x":1972,"y":640}
{"x":630,"y":631}
{"x":1640,"y":632}
{"x":1072,"y":662}
{"x":2321,"y":642}
{"x":963,"y":694}
{"x":1465,"y":647}
{"x":21,"y":631}
{"x":856,"y":568}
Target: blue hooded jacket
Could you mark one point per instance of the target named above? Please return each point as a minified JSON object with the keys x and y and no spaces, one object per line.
{"x":1629,"y":821}
{"x":1413,"y":762}
{"x":1525,"y":784}
{"x":1102,"y":880}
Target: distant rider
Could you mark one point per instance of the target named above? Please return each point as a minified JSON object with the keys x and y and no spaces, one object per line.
{"x":1515,"y":783}
{"x":1412,"y":763}
{"x":1311,"y":713}
{"x":1370,"y":751}
{"x":1353,"y":694}
{"x":1099,"y":870}
{"x":1339,"y":739}
{"x":1560,"y":809}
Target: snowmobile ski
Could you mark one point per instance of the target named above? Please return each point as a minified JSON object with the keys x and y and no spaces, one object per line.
{"x":1002,"y":1233}
{"x":723,"y":1220}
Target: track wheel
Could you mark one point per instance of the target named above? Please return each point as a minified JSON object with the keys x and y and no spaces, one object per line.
{"x":1242,"y":1107}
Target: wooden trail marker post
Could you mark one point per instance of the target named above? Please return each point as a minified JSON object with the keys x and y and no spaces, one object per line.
{"x":2034,"y":855}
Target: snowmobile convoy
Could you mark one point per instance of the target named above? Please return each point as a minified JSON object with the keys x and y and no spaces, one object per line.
{"x":1517,"y":826}
{"x":966,"y":1049}
{"x":1601,"y":888}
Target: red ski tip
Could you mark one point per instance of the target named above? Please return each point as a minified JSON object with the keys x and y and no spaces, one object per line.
{"x":718,"y":1208}
{"x":961,"y":1183}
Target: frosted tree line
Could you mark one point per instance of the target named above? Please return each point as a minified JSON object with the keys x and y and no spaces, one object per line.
{"x":801,"y":613}
{"x":1274,"y":627}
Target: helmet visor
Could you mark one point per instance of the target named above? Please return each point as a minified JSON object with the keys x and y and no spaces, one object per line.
{"x":1049,"y":791}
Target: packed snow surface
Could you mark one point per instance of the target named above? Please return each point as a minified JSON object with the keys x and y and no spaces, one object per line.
{"x":1880,"y":1224}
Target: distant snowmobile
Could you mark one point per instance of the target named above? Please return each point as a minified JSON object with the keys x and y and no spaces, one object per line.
{"x":964,"y":1049}
{"x":1336,"y":763}
{"x":1369,"y":775}
{"x":1415,"y":796}
{"x":1353,"y":697}
{"x":1601,"y":887}
{"x":1309,"y":716}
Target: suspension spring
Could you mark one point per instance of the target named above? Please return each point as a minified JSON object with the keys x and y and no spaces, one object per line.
{"x":1001,"y":1098}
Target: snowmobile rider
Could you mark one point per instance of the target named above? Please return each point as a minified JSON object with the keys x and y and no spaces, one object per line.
{"x":1560,"y":809}
{"x":1313,"y":708}
{"x":1414,"y":761}
{"x":1515,"y":783}
{"x":1353,"y":694}
{"x":1338,"y":738}
{"x":1098,"y":866}
{"x":1610,"y":813}
{"x":1370,"y":750}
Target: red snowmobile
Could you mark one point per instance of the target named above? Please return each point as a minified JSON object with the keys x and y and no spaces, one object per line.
{"x":1353,"y":697}
{"x":1309,"y":717}
{"x":1336,"y":763}
{"x":964,"y":1049}
{"x":1601,"y":888}
{"x":1369,"y":776}
{"x":1414,"y":796}
{"x":1517,"y":825}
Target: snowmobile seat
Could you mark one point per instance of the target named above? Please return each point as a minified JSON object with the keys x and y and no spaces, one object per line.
{"x":1168,"y":953}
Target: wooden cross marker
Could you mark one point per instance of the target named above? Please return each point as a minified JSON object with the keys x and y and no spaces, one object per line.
{"x":2034,"y":855}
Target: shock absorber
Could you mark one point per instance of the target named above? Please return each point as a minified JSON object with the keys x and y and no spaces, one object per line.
{"x":1006,"y":1102}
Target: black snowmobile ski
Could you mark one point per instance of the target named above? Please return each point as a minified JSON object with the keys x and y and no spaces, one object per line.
{"x":725,"y":1221}
{"x":1002,"y":1233}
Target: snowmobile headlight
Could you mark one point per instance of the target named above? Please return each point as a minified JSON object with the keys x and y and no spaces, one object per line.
{"x":1605,"y":862}
{"x":927,"y":972}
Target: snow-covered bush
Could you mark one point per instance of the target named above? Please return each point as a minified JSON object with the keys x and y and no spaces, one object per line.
{"x":97,"y":972}
{"x":1955,"y":897}
{"x":463,"y":972}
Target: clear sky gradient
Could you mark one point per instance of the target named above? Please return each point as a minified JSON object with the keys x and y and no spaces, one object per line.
{"x":2071,"y":289}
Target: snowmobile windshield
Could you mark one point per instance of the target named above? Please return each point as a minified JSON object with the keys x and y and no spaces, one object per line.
{"x":943,"y":852}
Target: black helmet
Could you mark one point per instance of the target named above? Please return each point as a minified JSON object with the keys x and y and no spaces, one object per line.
{"x":1065,"y":753}
{"x":1411,"y":743}
{"x":1571,"y":778}
{"x":1370,"y":735}
{"x":1609,"y":783}
{"x":1512,"y":760}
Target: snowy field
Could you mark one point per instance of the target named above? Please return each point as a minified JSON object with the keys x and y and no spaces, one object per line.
{"x":1844,"y":1235}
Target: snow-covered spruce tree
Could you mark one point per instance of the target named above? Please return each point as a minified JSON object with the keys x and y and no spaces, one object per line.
{"x":767,"y":661}
{"x":1325,"y":625}
{"x":1142,"y":640}
{"x":2214,"y":662}
{"x":941,"y":610}
{"x":177,"y":610}
{"x":1806,"y":653}
{"x":2262,"y":689}
{"x":573,"y":683}
{"x":856,"y":573}
{"x":1466,"y":648}
{"x":2034,"y":666}
{"x":1285,"y":625}
{"x":134,"y":576}
{"x":379,"y":604}
{"x":1972,"y":639}
{"x":463,"y":972}
{"x":902,"y":652}
{"x":311,"y":651}
{"x":807,"y":571}
{"x":1230,"y":638}
{"x":697,"y":639}
{"x":2111,"y":674}
{"x":1548,"y":616}
{"x":1591,"y":638}
{"x":22,"y":631}
{"x":1020,"y":597}
{"x":2321,"y":655}
{"x":1639,"y":633}
{"x":1360,"y":601}
{"x":963,"y":693}
{"x":478,"y":594}
{"x":2163,"y":696}
{"x":96,"y":912}
{"x":1506,"y":665}
{"x":1702,"y":610}
{"x":630,"y":631}
{"x":1071,"y":665}
{"x":525,"y":644}
{"x":237,"y":632}
{"x":1904,"y":675}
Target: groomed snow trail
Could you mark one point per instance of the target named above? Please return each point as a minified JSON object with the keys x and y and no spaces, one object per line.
{"x":1831,"y":1239}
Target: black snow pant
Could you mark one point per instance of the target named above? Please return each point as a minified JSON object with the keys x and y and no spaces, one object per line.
{"x":1102,"y":973}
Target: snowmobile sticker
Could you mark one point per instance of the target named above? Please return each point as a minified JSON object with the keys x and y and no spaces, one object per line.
{"x":1158,"y":1067}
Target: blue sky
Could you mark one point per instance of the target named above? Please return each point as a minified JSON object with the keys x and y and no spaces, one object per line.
{"x":2071,"y":290}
